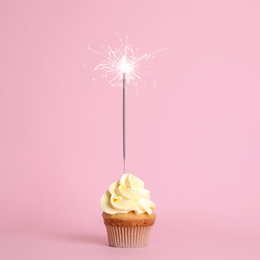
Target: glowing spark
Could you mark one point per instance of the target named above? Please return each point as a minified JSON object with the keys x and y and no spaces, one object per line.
{"x":120,"y":62}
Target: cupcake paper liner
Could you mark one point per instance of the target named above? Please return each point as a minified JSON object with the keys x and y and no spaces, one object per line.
{"x":128,"y":237}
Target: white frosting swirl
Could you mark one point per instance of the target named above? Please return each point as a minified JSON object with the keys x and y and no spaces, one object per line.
{"x":127,"y":195}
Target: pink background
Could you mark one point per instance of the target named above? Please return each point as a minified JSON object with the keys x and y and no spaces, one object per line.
{"x":194,"y":139}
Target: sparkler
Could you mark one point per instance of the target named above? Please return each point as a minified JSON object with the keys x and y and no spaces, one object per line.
{"x":122,"y":65}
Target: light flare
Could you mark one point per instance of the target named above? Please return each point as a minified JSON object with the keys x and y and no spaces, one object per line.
{"x":124,"y":66}
{"x":120,"y":63}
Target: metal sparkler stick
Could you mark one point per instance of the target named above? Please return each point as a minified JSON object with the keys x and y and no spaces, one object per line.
{"x":124,"y":91}
{"x":118,"y":62}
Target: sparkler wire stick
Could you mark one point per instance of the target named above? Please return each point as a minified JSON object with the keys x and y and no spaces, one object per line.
{"x":124,"y":90}
{"x":122,"y":64}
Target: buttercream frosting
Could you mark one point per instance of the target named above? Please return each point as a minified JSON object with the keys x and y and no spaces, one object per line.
{"x":126,"y":195}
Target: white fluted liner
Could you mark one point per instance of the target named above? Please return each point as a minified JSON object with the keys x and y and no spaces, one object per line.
{"x":128,"y":237}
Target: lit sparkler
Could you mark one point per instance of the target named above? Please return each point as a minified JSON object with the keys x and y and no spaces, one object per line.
{"x":121,"y":66}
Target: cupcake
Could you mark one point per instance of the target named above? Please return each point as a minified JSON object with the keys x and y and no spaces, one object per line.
{"x":128,"y":213}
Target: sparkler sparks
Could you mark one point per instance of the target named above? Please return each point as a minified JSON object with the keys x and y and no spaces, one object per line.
{"x":123,"y":62}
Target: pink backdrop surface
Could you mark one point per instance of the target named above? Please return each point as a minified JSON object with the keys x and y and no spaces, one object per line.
{"x":194,"y":139}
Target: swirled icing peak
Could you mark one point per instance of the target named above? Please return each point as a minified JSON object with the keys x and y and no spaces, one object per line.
{"x":127,"y":194}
